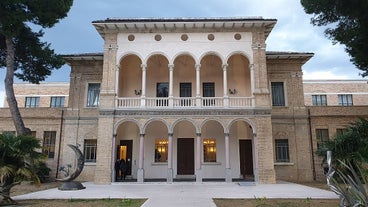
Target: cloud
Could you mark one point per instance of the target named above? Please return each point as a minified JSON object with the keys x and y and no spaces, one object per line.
{"x":2,"y":96}
{"x":323,"y":75}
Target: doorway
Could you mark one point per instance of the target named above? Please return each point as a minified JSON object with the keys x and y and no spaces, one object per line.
{"x":124,"y":151}
{"x":246,"y":158}
{"x":185,"y":157}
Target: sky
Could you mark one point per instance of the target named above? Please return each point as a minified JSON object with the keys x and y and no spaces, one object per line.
{"x":292,"y":32}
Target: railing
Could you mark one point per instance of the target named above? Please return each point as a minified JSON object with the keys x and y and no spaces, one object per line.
{"x":184,"y":102}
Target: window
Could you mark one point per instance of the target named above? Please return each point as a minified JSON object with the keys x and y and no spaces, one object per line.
{"x":162,"y":91}
{"x":32,"y":102}
{"x":319,"y":100}
{"x":322,"y":136}
{"x":208,"y":91}
{"x":209,"y":150}
{"x":282,"y":150}
{"x":185,"y":91}
{"x":90,"y":150}
{"x":341,"y":131}
{"x":93,"y":95}
{"x":345,"y":100}
{"x":161,"y":149}
{"x":57,"y":101}
{"x":278,"y":94}
{"x":49,"y":143}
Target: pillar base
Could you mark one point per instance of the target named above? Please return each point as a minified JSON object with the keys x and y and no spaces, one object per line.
{"x":228,"y":178}
{"x":140,"y":176}
{"x":170,"y":175}
{"x":198,"y":174}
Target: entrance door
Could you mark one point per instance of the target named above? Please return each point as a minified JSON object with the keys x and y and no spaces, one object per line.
{"x":246,"y":158}
{"x":125,"y":152}
{"x":185,"y":156}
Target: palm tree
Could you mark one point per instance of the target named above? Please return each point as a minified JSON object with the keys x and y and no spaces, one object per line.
{"x":18,"y":158}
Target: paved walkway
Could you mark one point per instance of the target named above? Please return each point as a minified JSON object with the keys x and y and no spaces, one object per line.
{"x":183,"y":193}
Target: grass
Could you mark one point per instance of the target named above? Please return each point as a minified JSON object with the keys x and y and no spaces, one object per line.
{"x":264,"y":202}
{"x":83,"y":202}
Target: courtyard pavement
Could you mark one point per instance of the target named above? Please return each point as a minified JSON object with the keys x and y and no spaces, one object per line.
{"x":184,"y":194}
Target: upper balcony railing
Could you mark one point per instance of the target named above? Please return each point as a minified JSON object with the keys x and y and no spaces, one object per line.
{"x":184,"y":102}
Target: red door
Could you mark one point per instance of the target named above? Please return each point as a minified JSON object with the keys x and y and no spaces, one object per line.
{"x":185,"y":156}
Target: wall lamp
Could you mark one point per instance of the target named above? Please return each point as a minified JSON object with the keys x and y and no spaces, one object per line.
{"x":137,"y":92}
{"x":233,"y":91}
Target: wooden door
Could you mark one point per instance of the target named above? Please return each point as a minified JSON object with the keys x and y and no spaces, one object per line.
{"x":125,"y":152}
{"x":185,"y":158}
{"x":246,"y":158}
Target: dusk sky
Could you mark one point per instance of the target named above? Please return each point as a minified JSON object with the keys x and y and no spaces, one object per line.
{"x":293,"y":31}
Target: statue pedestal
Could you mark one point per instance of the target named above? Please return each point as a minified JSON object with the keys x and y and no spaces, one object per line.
{"x":71,"y":185}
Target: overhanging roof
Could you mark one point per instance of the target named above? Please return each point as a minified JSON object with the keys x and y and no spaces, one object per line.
{"x":83,"y":56}
{"x":182,"y":24}
{"x":277,"y":55}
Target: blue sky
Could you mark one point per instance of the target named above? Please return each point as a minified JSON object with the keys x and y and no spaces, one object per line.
{"x":293,"y":31}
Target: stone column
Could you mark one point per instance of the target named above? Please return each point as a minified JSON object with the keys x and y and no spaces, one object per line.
{"x":113,"y":160}
{"x":227,"y":159}
{"x":170,"y":173}
{"x":140,"y":175}
{"x":144,"y":80}
{"x":252,"y":81}
{"x":198,"y":158}
{"x":226,"y":97}
{"x":171,"y":84}
{"x":198,"y":84}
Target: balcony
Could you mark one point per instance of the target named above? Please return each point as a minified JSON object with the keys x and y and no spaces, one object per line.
{"x":184,"y":102}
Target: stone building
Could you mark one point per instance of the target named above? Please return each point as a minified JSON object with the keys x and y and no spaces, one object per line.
{"x":196,"y":99}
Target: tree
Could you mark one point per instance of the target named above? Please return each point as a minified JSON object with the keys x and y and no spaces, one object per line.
{"x":350,"y":19}
{"x":18,"y":161}
{"x":22,"y":52}
{"x":351,"y":146}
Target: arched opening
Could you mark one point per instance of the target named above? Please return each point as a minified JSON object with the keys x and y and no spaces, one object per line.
{"x":184,"y":82}
{"x":211,"y":79}
{"x":238,"y":76}
{"x":130,"y":76}
{"x":127,"y":150}
{"x":213,"y":150}
{"x":184,"y":150}
{"x":157,"y":84}
{"x":241,"y":136}
{"x":156,"y":147}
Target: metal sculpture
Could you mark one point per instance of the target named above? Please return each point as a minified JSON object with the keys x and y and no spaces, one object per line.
{"x":68,"y":181}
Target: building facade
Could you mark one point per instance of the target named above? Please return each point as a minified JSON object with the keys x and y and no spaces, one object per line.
{"x":195,"y":99}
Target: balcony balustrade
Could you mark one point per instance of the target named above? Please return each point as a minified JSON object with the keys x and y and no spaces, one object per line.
{"x":184,"y":102}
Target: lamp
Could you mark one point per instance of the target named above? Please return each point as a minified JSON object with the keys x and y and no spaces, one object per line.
{"x":137,"y":92}
{"x":233,"y":91}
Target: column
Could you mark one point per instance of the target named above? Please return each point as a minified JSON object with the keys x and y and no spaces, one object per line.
{"x":171,"y":84}
{"x":227,"y":159}
{"x":140,"y":174}
{"x":255,"y":158}
{"x":198,"y":158}
{"x":113,"y":150}
{"x":252,"y":81}
{"x":226,"y":97}
{"x":170,"y":172}
{"x":143,"y":95}
{"x":198,"y":84}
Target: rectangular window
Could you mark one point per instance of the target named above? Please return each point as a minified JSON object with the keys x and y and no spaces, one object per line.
{"x":322,"y":136}
{"x":208,"y":91}
{"x":209,"y":150}
{"x":345,"y":100}
{"x":48,"y":148}
{"x":162,"y":91}
{"x":93,"y":95}
{"x":319,"y":100}
{"x":341,"y":131}
{"x":282,"y":150}
{"x":32,"y":102}
{"x":278,"y":94}
{"x":57,"y":101}
{"x":90,"y":150}
{"x":161,"y":150}
{"x":185,"y":91}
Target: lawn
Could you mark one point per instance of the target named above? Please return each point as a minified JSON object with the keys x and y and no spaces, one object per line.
{"x":264,"y":202}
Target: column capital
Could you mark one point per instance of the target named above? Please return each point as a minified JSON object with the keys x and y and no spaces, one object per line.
{"x":198,"y":134}
{"x":144,"y":66}
{"x":227,"y":134}
{"x":171,"y":66}
{"x":224,"y":66}
{"x":142,"y":135}
{"x":198,"y":66}
{"x":114,"y":135}
{"x":171,"y":134}
{"x":251,"y":66}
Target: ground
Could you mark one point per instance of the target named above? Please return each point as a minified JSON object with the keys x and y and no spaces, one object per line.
{"x":256,"y":202}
